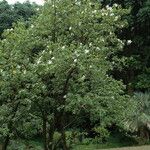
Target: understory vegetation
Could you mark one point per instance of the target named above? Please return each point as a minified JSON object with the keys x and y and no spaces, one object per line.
{"x":74,"y":74}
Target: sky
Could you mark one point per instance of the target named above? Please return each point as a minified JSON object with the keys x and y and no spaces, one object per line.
{"x":37,"y":1}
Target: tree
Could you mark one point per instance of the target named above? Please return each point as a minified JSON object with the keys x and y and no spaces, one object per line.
{"x":10,"y":14}
{"x":25,"y":10}
{"x":140,"y":118}
{"x":60,"y":67}
{"x":7,"y":15}
{"x":134,"y":66}
{"x":15,"y":84}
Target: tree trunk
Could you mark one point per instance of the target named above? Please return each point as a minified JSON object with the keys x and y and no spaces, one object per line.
{"x":45,"y":133}
{"x":10,"y":127}
{"x":144,"y":134}
{"x":6,"y":142}
{"x":51,"y":135}
{"x":63,"y":135}
{"x":147,"y":135}
{"x":64,"y":143}
{"x":130,"y":89}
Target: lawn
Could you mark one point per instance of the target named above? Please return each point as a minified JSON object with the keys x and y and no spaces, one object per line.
{"x":93,"y":147}
{"x":132,"y":148}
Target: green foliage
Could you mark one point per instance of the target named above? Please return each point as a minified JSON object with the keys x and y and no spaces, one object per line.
{"x":115,"y":140}
{"x":134,"y":65}
{"x":58,"y":67}
{"x":142,"y":114}
{"x":102,"y":134}
{"x":140,"y":117}
{"x":10,"y":14}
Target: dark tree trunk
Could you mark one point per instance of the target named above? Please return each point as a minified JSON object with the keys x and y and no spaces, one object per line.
{"x":51,"y":135}
{"x":144,"y":133}
{"x":10,"y":127}
{"x":130,"y":80}
{"x":45,"y":133}
{"x":6,"y":142}
{"x":64,"y":143}
{"x":63,"y":135}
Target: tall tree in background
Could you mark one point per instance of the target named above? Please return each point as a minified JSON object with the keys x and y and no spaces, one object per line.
{"x":10,"y":14}
{"x":7,"y":16}
{"x":134,"y":68}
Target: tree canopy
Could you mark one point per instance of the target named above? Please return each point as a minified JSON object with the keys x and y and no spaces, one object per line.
{"x":58,"y":67}
{"x":10,"y":14}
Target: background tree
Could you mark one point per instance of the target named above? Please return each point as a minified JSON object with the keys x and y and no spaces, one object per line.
{"x":136,"y":55}
{"x":7,"y":16}
{"x":10,"y":14}
{"x":140,"y":118}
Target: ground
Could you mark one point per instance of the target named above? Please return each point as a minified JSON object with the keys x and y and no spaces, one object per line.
{"x":122,"y":148}
{"x":131,"y":148}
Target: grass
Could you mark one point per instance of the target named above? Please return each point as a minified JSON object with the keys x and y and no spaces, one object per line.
{"x":114,"y":141}
{"x":147,"y":147}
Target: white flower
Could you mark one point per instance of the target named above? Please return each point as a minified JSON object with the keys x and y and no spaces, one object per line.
{"x":112,"y":14}
{"x":112,"y":97}
{"x":24,"y":72}
{"x":90,"y":44}
{"x":79,"y":23}
{"x":75,"y":60}
{"x":32,"y":26}
{"x":63,"y":47}
{"x":90,"y":66}
{"x":95,"y":11}
{"x":108,"y":7}
{"x":115,"y":5}
{"x":38,"y":61}
{"x":120,"y":41}
{"x":64,"y":96}
{"x":37,"y":9}
{"x":86,"y":51}
{"x":76,"y":53}
{"x":78,"y":2}
{"x":70,"y":28}
{"x":18,"y":67}
{"x":53,"y":58}
{"x":129,"y":42}
{"x":102,"y":40}
{"x":97,"y":48}
{"x":122,"y":26}
{"x":43,"y":51}
{"x":116,"y":18}
{"x":49,"y":62}
{"x":83,"y":77}
{"x":103,"y":14}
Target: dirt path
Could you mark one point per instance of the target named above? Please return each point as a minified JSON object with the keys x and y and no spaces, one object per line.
{"x":132,"y":148}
